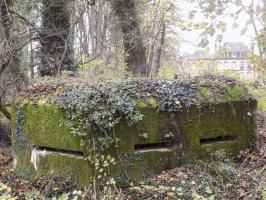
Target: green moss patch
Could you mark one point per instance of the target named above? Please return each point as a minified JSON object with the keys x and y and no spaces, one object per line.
{"x":45,"y":127}
{"x":65,"y":167}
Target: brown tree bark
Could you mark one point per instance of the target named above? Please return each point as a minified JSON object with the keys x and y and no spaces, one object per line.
{"x":5,"y":27}
{"x":9,"y":50}
{"x":5,"y":50}
{"x":160,"y":49}
{"x":55,"y":41}
{"x":125,"y":10}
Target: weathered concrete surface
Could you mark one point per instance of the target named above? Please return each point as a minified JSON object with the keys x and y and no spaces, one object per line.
{"x":170,"y":139}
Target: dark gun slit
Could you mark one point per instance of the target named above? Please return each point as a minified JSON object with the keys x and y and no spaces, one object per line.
{"x":158,"y":146}
{"x":219,"y":139}
{"x":60,"y":151}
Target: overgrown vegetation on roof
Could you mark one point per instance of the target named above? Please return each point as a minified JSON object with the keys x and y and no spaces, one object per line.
{"x":103,"y":105}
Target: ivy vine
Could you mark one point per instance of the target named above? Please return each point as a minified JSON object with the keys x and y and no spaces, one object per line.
{"x":20,"y":140}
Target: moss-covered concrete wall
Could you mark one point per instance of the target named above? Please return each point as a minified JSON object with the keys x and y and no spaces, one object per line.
{"x":232,"y":123}
{"x":159,"y":142}
{"x":42,"y":126}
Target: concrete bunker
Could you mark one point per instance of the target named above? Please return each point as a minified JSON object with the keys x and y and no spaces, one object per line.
{"x":162,"y":140}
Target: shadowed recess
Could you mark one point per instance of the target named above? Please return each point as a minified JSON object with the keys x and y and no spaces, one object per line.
{"x":219,"y":139}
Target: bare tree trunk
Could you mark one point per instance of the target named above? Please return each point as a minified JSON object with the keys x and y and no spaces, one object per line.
{"x":252,"y":18}
{"x":83,"y":35}
{"x":264,"y":33}
{"x":31,"y":61}
{"x":5,"y":28}
{"x":103,"y":35}
{"x":258,"y":39}
{"x":159,"y":51}
{"x":55,"y":40}
{"x":6,"y":57}
{"x":92,"y":30}
{"x":125,"y":10}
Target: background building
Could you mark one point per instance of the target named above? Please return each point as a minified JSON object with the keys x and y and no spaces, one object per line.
{"x":230,"y":58}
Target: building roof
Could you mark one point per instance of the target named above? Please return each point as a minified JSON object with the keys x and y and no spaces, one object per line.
{"x":235,"y":47}
{"x":230,"y":50}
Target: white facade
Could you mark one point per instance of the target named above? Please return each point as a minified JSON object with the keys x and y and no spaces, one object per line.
{"x":243,"y":67}
{"x":232,"y":58}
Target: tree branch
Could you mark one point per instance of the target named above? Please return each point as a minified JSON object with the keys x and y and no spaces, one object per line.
{"x":91,"y":2}
{"x":25,"y":20}
{"x":5,"y":111}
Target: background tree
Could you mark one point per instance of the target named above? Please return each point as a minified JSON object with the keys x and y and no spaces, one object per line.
{"x":13,"y":39}
{"x":215,"y":11}
{"x":11,"y":73}
{"x":56,"y":50}
{"x":127,"y":16}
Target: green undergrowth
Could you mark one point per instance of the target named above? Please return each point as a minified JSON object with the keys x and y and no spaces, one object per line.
{"x":260,"y":94}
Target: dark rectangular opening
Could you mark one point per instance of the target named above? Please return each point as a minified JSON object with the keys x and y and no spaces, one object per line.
{"x":60,"y":151}
{"x":219,"y":139}
{"x":158,"y":146}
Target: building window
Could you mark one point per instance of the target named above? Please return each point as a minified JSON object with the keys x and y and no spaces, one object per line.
{"x":225,"y":64}
{"x":242,"y":67}
{"x":234,"y":66}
